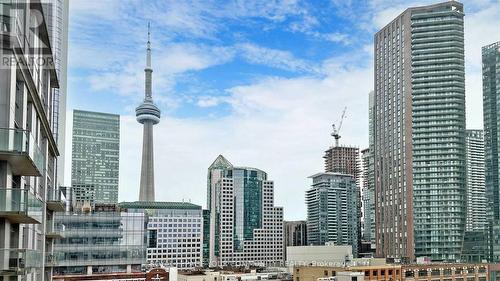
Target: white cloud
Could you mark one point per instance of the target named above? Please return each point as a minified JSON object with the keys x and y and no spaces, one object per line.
{"x":275,"y":58}
{"x":169,"y":62}
{"x":209,"y":101}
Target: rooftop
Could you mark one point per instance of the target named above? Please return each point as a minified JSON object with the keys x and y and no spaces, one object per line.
{"x":159,"y":205}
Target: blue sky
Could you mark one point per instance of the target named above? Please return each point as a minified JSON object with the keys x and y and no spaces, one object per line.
{"x":260,"y":82}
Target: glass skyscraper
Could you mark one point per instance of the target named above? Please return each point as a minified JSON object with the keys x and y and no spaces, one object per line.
{"x":491,"y":99}
{"x":333,"y":211}
{"x":95,"y":153}
{"x":245,"y":226}
{"x":419,"y":133}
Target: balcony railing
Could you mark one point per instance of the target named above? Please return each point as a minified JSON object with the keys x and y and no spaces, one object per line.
{"x":20,"y":206}
{"x":55,"y":199}
{"x":19,"y":148}
{"x":17,"y":261}
{"x":50,"y":260}
{"x":55,"y":229}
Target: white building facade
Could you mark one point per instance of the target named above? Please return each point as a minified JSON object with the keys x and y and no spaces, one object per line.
{"x":475,"y":180}
{"x":174,"y":233}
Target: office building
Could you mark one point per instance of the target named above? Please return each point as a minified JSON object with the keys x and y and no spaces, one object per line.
{"x":96,"y":153}
{"x":295,"y":234}
{"x":245,"y":226}
{"x":102,"y":240}
{"x":491,"y":98}
{"x":148,"y":115}
{"x":476,"y":199}
{"x":174,"y":232}
{"x":419,"y":134}
{"x":29,"y":193}
{"x":333,"y":211}
{"x":82,"y":195}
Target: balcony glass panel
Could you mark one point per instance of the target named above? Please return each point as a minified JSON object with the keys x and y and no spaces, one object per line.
{"x":19,"y":148}
{"x":20,"y":205}
{"x":56,"y":200}
{"x":17,"y":260}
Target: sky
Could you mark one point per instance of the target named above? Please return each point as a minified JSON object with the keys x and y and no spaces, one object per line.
{"x":260,"y":82}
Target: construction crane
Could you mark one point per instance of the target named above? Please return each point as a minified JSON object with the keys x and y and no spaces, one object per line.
{"x":336,"y":131}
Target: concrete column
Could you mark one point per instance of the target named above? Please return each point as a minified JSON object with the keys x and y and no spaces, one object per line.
{"x":147,"y":186}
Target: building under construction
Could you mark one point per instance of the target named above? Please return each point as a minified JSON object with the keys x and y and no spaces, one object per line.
{"x":340,"y":158}
{"x":343,"y":159}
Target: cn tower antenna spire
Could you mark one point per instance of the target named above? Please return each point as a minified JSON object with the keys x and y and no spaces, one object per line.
{"x":148,"y":54}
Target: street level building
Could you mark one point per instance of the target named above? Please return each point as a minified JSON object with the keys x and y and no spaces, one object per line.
{"x":419,"y":134}
{"x":327,"y":255}
{"x":401,"y":272}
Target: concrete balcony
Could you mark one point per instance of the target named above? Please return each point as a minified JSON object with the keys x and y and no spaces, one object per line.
{"x":55,"y":200}
{"x":54,"y":230}
{"x":19,"y":148}
{"x":20,"y":206}
{"x":18,"y":261}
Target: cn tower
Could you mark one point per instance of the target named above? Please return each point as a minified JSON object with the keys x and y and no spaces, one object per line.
{"x":148,"y":115}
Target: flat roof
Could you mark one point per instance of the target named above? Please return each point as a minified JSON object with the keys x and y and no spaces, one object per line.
{"x":159,"y":205}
